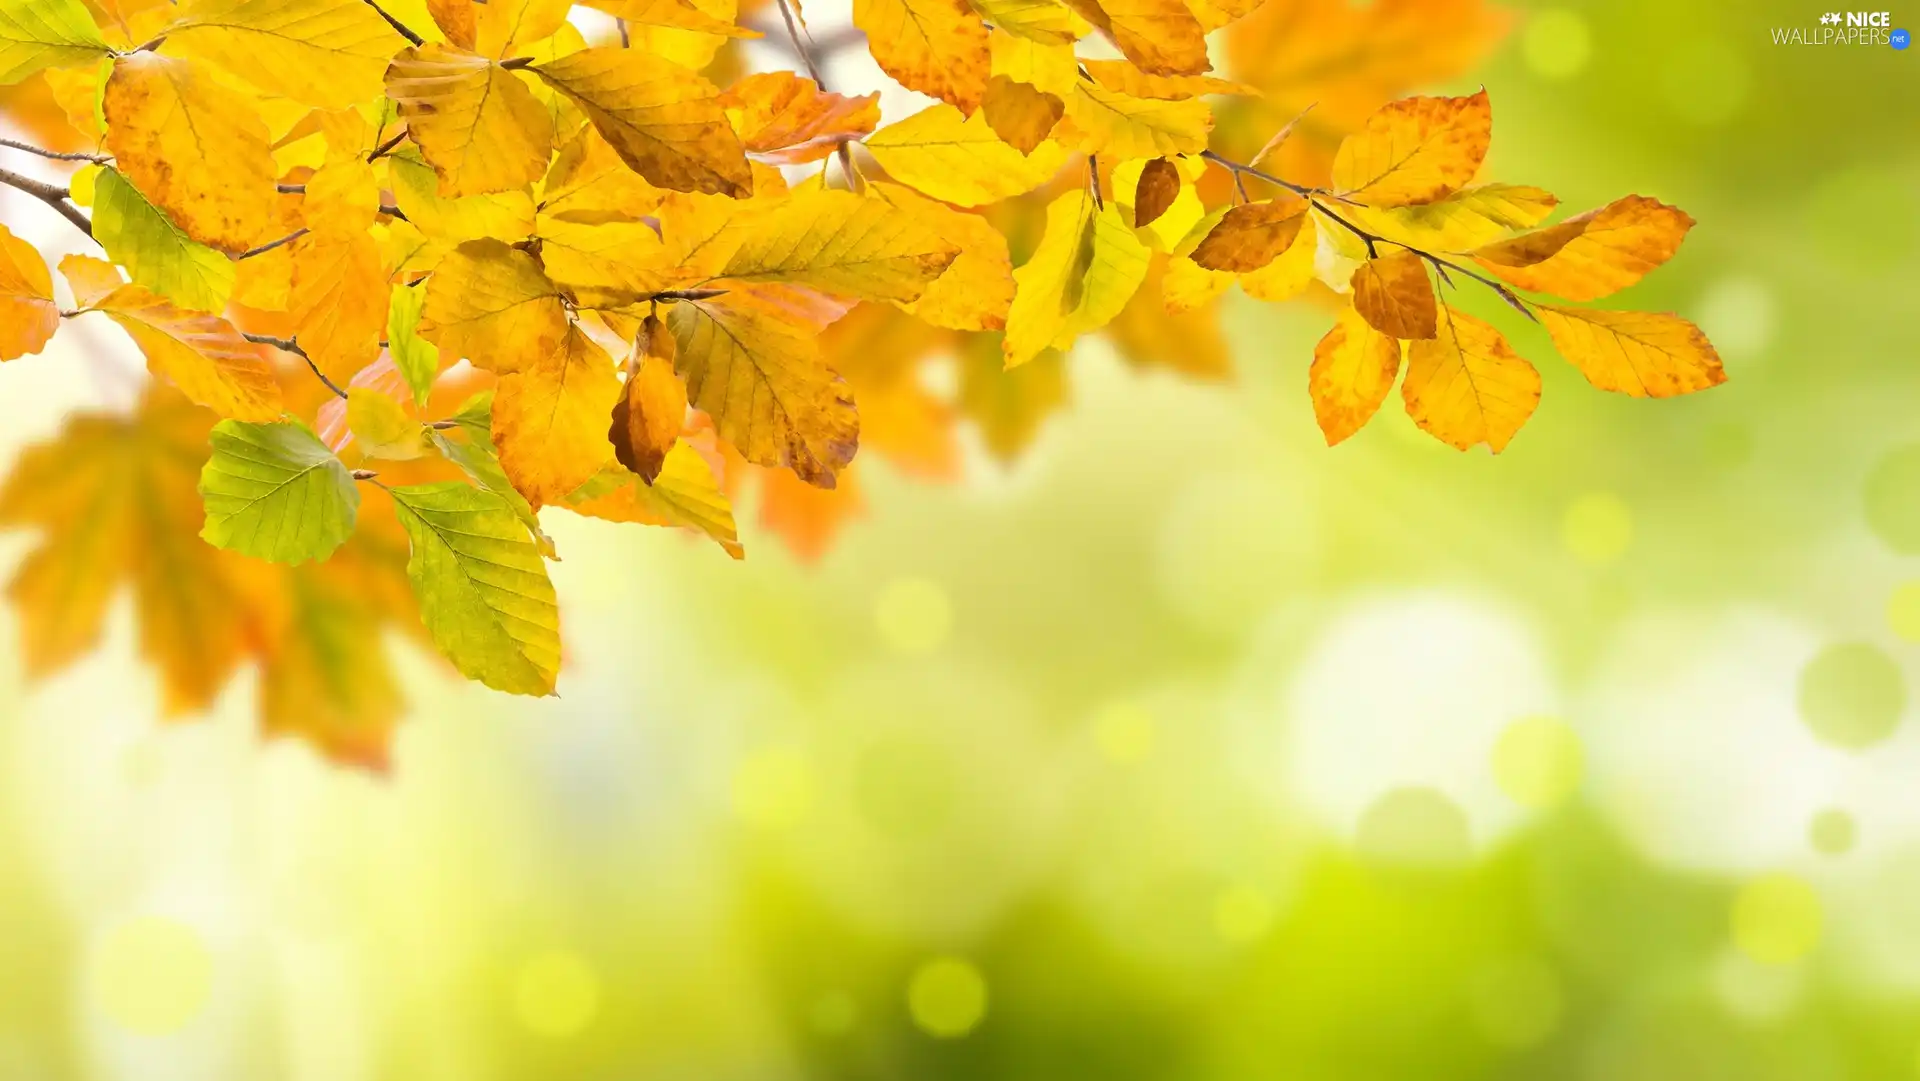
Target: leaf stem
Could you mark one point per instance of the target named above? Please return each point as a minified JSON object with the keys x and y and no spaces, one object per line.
{"x":290,"y":345}
{"x":272,"y":244}
{"x":381,"y":151}
{"x":398,"y":26}
{"x":97,"y":159}
{"x":51,"y":194}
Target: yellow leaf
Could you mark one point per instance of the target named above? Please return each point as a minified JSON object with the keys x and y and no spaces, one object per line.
{"x":938,"y":47}
{"x":605,"y":265}
{"x":757,"y":371}
{"x":589,"y":183}
{"x":28,"y":315}
{"x":506,"y":215}
{"x":194,"y":148}
{"x":457,"y":19}
{"x":326,"y":53}
{"x":343,"y":197}
{"x":1153,"y":331}
{"x":1009,"y":405}
{"x":1641,"y":354}
{"x":665,"y":122}
{"x":1049,"y":66}
{"x":201,"y":354}
{"x":977,"y":288}
{"x":1123,"y":78}
{"x":1466,"y":385}
{"x":1460,"y":221}
{"x":687,"y":47}
{"x":1036,"y":20}
{"x":77,"y":91}
{"x":783,"y":119}
{"x":1392,"y":292}
{"x":1594,"y":255}
{"x":1289,"y":275}
{"x":685,"y":494}
{"x":505,"y":28}
{"x":477,"y":124}
{"x":550,"y":419}
{"x":1088,"y":265}
{"x":842,"y":244}
{"x":1161,"y":37}
{"x":652,"y":407}
{"x":1187,"y":286}
{"x":338,"y":300}
{"x":1252,"y":235}
{"x":493,"y":305}
{"x":90,"y":279}
{"x":673,"y":15}
{"x":381,"y":427}
{"x":37,"y":34}
{"x":1415,"y":150}
{"x":958,"y":159}
{"x":1108,"y":122}
{"x":1019,"y":114}
{"x":1353,"y":369}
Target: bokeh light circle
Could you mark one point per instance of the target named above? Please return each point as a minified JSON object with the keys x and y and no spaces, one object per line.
{"x":1852,"y":695}
{"x":1903,"y":611}
{"x":1597,"y":528}
{"x":1739,"y":314}
{"x":1557,"y":43}
{"x":1777,"y":919}
{"x":1833,"y":832}
{"x":1415,"y":826}
{"x":152,"y":975}
{"x":947,"y":997}
{"x":913,"y":615}
{"x":1538,"y":762}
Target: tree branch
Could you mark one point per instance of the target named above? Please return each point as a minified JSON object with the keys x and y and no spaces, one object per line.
{"x":289,"y":345}
{"x":50,"y":194}
{"x":399,"y":26}
{"x":97,"y":159}
{"x":272,"y":244}
{"x":381,"y":151}
{"x":388,"y":209}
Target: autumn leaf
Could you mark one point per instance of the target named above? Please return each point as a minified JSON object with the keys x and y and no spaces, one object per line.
{"x":482,"y":585}
{"x":1104,"y":121}
{"x":1158,"y":186}
{"x":476,"y":123}
{"x":382,"y":428}
{"x":1252,"y":235}
{"x":783,"y":119}
{"x":1594,"y":255}
{"x":493,"y":305}
{"x":672,"y":15}
{"x":507,"y":215}
{"x":1353,"y":368}
{"x":938,"y":47}
{"x":1392,"y":292}
{"x":841,"y":243}
{"x":977,"y":287}
{"x":195,"y":149}
{"x":550,"y":419}
{"x":201,"y":354}
{"x":1415,"y":150}
{"x":685,"y":494}
{"x":959,"y":160}
{"x":1046,"y":21}
{"x":1162,"y":37}
{"x":757,"y":371}
{"x":416,"y":358}
{"x":652,"y":406}
{"x":1290,"y":274}
{"x":1122,"y":77}
{"x":1459,"y":221}
{"x":1022,"y":115}
{"x":28,"y":315}
{"x":666,"y":123}
{"x":1640,"y":354}
{"x":342,"y":197}
{"x":1466,"y":385}
{"x":275,"y":492}
{"x":325,"y":53}
{"x":1009,"y":405}
{"x":1088,"y":265}
{"x":339,"y":300}
{"x":504,"y":28}
{"x":37,"y":34}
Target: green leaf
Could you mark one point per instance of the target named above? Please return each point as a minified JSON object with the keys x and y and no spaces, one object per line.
{"x":275,"y":492}
{"x":417,"y":358}
{"x":469,"y":445}
{"x":483,"y":587}
{"x":157,"y":255}
{"x":36,"y":34}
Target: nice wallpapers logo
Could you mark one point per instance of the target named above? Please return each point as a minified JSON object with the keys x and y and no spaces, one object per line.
{"x":1845,"y":28}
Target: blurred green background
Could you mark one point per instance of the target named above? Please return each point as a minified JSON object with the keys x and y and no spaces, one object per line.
{"x":1183,"y":749}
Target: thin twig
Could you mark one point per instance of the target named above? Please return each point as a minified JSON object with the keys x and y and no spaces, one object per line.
{"x":626,"y":39}
{"x":1093,"y":181}
{"x":805,"y":53}
{"x":399,"y":26}
{"x":517,"y":62}
{"x":50,"y":194}
{"x":289,"y":345}
{"x":272,"y":244}
{"x":387,"y":209}
{"x":56,"y":155}
{"x":380,"y":151}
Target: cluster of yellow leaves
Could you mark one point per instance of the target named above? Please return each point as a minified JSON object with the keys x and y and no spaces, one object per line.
{"x":532,"y":270}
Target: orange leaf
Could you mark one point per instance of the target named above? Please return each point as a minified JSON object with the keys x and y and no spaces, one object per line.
{"x":1641,"y":354}
{"x":1415,"y":150}
{"x":28,"y":315}
{"x":1594,"y":255}
{"x":1353,"y":369}
{"x":1392,"y":292}
{"x":1019,"y":114}
{"x":783,"y":119}
{"x":1159,"y":185}
{"x":1161,"y":37}
{"x":1252,"y":235}
{"x":1466,"y":385}
{"x":652,"y":408}
{"x":938,"y":47}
